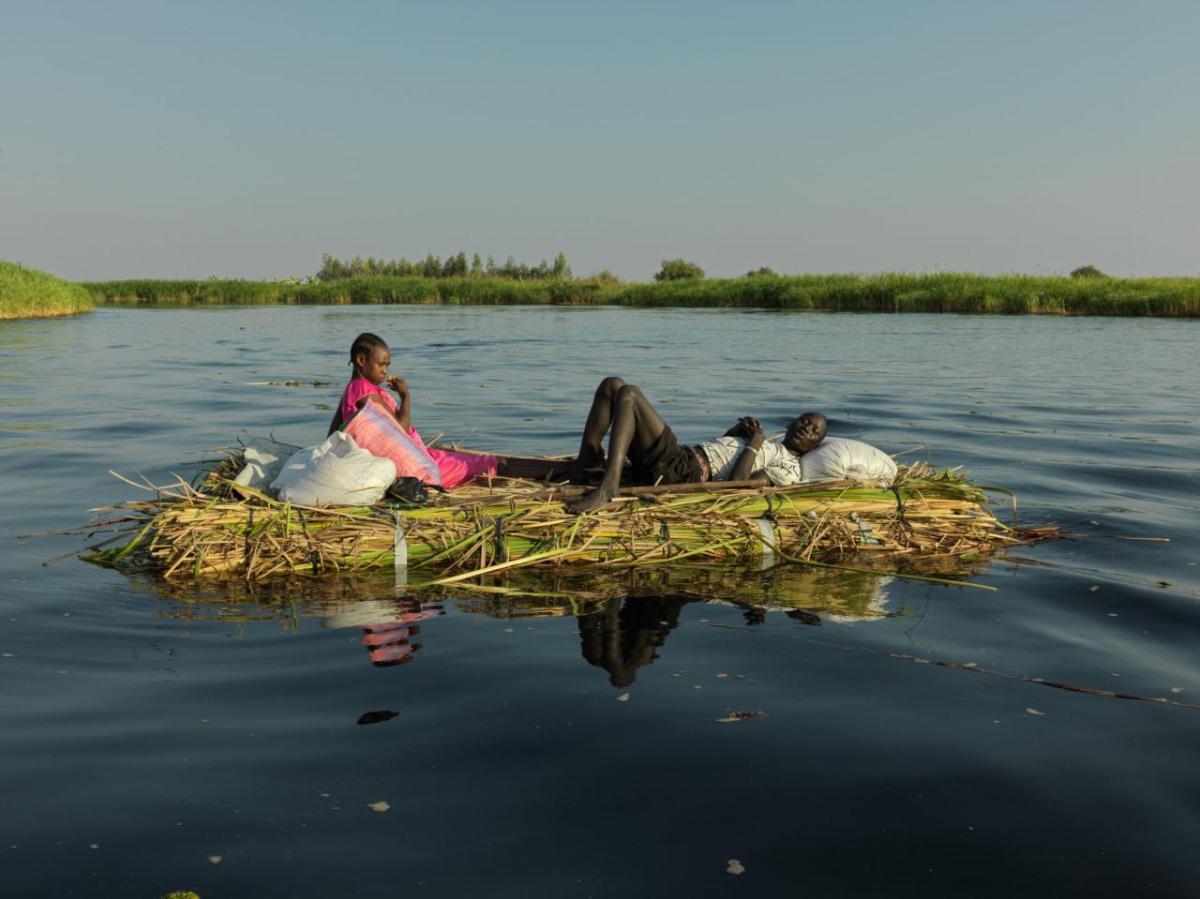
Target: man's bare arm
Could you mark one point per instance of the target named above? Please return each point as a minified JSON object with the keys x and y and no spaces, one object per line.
{"x":751,"y":431}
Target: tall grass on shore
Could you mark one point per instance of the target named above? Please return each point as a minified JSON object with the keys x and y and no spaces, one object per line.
{"x":29,"y":293}
{"x":945,"y":292}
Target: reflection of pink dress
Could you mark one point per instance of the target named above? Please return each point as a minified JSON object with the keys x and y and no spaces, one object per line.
{"x":456,"y":468}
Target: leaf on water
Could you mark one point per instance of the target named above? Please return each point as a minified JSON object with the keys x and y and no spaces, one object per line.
{"x":1035,"y":713}
{"x":1094,"y":587}
{"x":381,"y":806}
{"x":1177,"y":689}
{"x":215,"y":859}
{"x":740,"y":716}
{"x":722,"y":674}
{"x":733,"y":866}
{"x":624,"y":697}
{"x":377,"y":717}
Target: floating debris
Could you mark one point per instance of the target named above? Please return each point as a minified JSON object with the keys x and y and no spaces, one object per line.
{"x":381,"y":806}
{"x":733,"y":866}
{"x":313,"y":383}
{"x":733,"y":717}
{"x":1035,"y":713}
{"x":375,"y":718}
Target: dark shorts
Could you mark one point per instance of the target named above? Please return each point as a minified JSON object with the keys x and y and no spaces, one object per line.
{"x":666,"y":462}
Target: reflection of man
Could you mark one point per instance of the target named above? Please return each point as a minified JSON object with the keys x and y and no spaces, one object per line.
{"x":622,"y":636}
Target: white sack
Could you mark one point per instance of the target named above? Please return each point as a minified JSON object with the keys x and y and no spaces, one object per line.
{"x":838,"y":458}
{"x":264,"y":460}
{"x":334,"y":473}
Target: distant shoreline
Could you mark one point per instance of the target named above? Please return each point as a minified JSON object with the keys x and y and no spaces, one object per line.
{"x":946,"y":292}
{"x":27,"y":293}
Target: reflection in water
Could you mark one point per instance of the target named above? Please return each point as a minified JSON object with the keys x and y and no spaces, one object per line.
{"x":623,"y":635}
{"x":624,"y":618}
{"x":388,"y":626}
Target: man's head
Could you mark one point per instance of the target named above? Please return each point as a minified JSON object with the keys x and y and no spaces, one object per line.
{"x":805,"y":432}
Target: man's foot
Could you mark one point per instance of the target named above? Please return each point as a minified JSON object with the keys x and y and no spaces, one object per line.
{"x":597,"y":499}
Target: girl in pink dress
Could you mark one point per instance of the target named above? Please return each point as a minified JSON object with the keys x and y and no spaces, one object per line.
{"x":371,"y":359}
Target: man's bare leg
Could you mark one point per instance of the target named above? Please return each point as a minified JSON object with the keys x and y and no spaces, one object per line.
{"x":600,"y":415}
{"x":634,"y":423}
{"x":591,"y":447}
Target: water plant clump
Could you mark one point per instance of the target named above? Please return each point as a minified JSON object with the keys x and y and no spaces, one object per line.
{"x":29,"y":293}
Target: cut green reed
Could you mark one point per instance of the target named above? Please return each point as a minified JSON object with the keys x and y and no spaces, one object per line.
{"x":218,"y":529}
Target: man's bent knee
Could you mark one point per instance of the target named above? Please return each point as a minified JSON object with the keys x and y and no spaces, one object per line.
{"x":610,"y":385}
{"x":628,"y":395}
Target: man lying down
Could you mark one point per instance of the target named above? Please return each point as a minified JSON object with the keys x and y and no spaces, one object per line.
{"x":636,"y":432}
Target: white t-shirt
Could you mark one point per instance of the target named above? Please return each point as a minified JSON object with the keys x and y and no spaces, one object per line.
{"x":837,"y":458}
{"x":779,"y":464}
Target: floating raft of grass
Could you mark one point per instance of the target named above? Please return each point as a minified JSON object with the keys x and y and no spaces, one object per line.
{"x":928,"y":521}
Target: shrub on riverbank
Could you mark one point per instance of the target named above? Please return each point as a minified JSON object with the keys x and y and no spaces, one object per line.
{"x":29,"y":293}
{"x":946,"y":292}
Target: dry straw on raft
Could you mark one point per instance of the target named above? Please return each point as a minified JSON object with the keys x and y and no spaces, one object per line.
{"x":218,"y":528}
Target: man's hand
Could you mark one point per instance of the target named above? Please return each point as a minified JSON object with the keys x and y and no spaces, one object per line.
{"x":747,"y":429}
{"x":398,"y":384}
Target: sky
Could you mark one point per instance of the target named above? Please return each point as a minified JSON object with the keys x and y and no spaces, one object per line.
{"x":246,"y":139}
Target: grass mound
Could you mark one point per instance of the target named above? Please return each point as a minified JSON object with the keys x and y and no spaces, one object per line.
{"x":29,"y":293}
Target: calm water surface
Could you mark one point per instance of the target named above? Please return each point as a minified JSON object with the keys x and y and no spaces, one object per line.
{"x":146,"y":733}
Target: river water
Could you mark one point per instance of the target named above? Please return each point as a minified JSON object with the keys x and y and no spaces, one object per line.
{"x":235,"y":745}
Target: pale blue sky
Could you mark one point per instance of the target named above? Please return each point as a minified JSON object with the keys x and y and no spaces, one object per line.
{"x":246,"y":139}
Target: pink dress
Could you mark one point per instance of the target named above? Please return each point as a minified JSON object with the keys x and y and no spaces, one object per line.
{"x":456,"y":468}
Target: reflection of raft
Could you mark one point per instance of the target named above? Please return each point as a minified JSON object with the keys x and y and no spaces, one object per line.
{"x":928,"y":519}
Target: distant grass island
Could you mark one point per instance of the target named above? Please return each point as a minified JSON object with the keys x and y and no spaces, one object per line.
{"x":29,"y":293}
{"x":678,"y":283}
